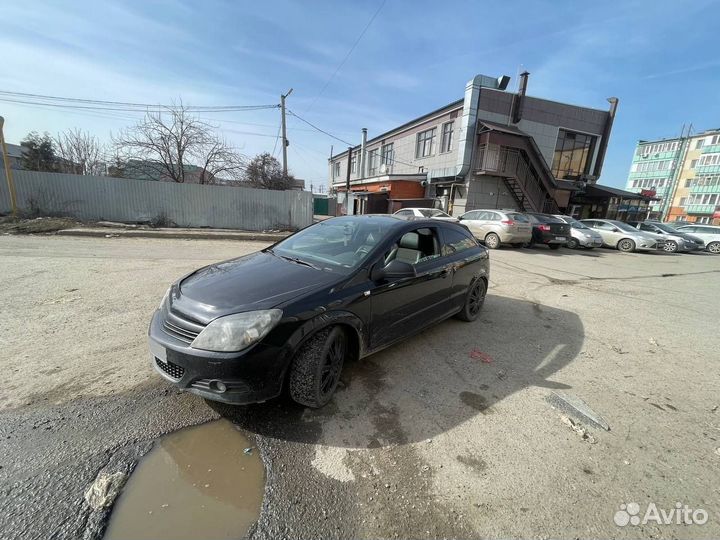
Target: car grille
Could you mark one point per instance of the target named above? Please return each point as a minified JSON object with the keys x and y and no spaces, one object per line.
{"x":173,"y":370}
{"x":179,"y":327}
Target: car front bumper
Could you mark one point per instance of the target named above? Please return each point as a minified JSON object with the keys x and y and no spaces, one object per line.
{"x":250,"y":376}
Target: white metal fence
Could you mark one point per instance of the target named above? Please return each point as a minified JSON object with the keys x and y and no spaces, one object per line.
{"x":186,"y":205}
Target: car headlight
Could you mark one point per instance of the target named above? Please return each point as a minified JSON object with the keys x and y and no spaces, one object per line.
{"x":237,"y":332}
{"x":165,"y":298}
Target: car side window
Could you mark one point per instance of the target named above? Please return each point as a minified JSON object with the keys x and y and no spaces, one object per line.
{"x":483,"y":216}
{"x":646,"y":227}
{"x":604,"y":226}
{"x":707,"y":230}
{"x":689,"y":229}
{"x":455,"y":241}
{"x":404,"y":213}
{"x":415,"y":247}
{"x":493,"y":216}
{"x":471,"y":215}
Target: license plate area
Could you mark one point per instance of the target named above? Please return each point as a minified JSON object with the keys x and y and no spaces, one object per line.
{"x":560,"y":238}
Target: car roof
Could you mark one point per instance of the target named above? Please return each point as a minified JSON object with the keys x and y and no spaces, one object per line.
{"x":392,"y":220}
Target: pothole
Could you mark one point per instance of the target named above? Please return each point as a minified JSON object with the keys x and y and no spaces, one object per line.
{"x":196,"y":483}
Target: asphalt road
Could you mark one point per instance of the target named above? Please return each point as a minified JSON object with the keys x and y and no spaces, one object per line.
{"x":449,"y":434}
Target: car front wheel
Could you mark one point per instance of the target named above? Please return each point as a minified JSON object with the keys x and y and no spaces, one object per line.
{"x":572,"y":243}
{"x":626,"y":245}
{"x":474,"y":301}
{"x":714,"y":247}
{"x":316,"y":368}
{"x":670,"y":246}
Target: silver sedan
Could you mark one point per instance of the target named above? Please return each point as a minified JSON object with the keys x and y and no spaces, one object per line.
{"x":623,"y":237}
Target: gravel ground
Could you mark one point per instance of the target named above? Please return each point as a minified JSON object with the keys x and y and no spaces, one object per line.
{"x":449,"y":434}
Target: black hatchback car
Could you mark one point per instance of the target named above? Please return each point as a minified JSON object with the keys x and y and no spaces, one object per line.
{"x":548,"y":230}
{"x":343,"y":288}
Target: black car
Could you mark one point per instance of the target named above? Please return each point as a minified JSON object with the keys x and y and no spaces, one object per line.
{"x":548,"y":230}
{"x":341,"y":289}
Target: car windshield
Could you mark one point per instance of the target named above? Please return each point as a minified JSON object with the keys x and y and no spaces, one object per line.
{"x":665,"y":228}
{"x":624,"y":226}
{"x":575,"y":224}
{"x":522,"y":218}
{"x":431,"y":212}
{"x":336,"y":245}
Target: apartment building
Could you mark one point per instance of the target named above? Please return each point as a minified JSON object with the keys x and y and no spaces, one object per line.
{"x":492,"y":149}
{"x":684,"y":173}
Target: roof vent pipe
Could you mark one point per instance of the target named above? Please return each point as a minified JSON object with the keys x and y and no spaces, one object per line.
{"x":519,"y":101}
{"x":363,"y":153}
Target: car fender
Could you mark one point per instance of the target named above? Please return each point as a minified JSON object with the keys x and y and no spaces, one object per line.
{"x":323,"y":320}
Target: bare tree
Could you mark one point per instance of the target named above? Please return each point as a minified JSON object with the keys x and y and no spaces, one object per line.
{"x":264,"y":172}
{"x":178,"y":147}
{"x":79,"y":152}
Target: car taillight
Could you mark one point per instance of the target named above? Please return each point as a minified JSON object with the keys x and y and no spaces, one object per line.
{"x":545,"y":228}
{"x":507,"y":222}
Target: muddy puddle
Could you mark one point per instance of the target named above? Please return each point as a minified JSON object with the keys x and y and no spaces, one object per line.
{"x":195,"y":483}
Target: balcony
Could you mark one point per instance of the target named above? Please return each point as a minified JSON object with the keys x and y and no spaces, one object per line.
{"x":514,"y":167}
{"x":700,"y":208}
{"x":705,"y":189}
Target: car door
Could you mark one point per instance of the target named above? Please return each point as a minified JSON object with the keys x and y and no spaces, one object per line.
{"x":608,"y":232}
{"x":403,"y":306}
{"x":471,"y":221}
{"x":460,"y":251}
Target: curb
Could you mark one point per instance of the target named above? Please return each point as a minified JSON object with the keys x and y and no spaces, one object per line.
{"x":181,"y":234}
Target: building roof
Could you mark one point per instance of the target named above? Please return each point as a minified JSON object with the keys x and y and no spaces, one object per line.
{"x":597,"y":190}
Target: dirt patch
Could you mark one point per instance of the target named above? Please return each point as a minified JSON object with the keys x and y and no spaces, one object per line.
{"x":10,"y":225}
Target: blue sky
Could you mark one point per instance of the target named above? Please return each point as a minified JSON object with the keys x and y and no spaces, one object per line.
{"x":661,"y":58}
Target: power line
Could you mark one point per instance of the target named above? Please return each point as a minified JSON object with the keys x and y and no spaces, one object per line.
{"x":337,"y":69}
{"x":123,"y":106}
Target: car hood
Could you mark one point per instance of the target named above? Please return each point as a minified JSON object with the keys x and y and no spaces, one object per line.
{"x":256,"y":281}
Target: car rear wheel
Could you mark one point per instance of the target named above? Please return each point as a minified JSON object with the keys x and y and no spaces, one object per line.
{"x":573,"y":243}
{"x":554,"y":246}
{"x":492,"y":240}
{"x":670,"y":246}
{"x":714,"y":247}
{"x":316,"y":368}
{"x":473,"y":301}
{"x":626,"y":245}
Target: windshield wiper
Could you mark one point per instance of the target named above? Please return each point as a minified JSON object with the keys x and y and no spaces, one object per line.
{"x":298,"y":261}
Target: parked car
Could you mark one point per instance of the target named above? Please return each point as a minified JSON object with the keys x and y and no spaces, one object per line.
{"x":549,"y":230}
{"x":710,"y":234}
{"x":675,"y":224}
{"x":675,"y":241}
{"x":623,"y":237}
{"x":580,"y":234}
{"x":432,"y":213}
{"x":495,"y":227}
{"x":340,"y":289}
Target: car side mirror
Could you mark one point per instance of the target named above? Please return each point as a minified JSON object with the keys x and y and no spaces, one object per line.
{"x":393,"y":270}
{"x":615,"y":229}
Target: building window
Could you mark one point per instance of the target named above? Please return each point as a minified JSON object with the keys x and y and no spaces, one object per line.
{"x":387,"y":155}
{"x":372,"y":162}
{"x":573,"y":154}
{"x":683,"y":201}
{"x":353,"y":163}
{"x":425,"y":143}
{"x":693,"y":163}
{"x":699,"y":144}
{"x":336,"y":169}
{"x":715,"y":139}
{"x":447,"y":137}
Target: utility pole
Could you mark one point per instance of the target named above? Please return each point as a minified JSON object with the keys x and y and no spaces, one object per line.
{"x":347,"y":183}
{"x":284,"y":131}
{"x":8,"y":170}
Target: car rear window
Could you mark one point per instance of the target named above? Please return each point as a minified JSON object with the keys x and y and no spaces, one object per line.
{"x":542,"y":218}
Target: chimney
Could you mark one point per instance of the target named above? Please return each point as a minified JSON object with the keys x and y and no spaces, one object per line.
{"x":519,"y":100}
{"x":363,"y":154}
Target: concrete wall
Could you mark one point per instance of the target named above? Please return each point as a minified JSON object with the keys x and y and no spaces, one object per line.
{"x":187,"y":205}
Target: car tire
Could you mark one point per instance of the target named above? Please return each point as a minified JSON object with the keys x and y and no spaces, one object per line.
{"x":626,"y":245}
{"x":315,"y":370}
{"x":492,"y":241}
{"x":554,"y":246}
{"x":573,"y":243}
{"x":713,"y":247}
{"x":670,"y":246}
{"x":474,"y":300}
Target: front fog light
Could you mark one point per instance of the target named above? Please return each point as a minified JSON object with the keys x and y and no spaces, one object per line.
{"x":237,"y":332}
